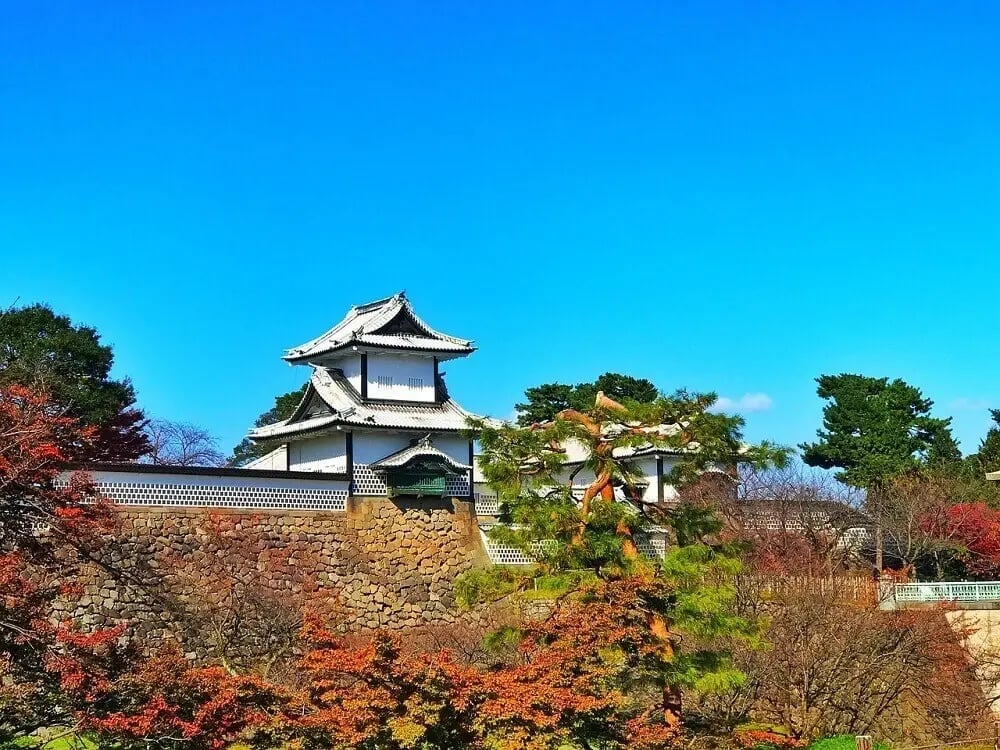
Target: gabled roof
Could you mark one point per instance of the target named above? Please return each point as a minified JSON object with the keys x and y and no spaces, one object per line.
{"x":421,"y":450}
{"x":344,"y":406}
{"x":388,"y":323}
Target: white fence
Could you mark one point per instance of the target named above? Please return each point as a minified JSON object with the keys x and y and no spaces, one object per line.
{"x":243,"y":489}
{"x":948,"y":591}
{"x":653,"y":545}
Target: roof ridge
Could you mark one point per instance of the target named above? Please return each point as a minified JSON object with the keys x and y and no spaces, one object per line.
{"x":368,"y":320}
{"x":366,"y":306}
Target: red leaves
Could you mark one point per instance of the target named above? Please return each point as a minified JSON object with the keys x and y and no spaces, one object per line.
{"x":165,"y":701}
{"x":977,"y":528}
{"x":36,"y":441}
{"x":373,"y":691}
{"x":46,"y":522}
{"x":567,"y":679}
{"x":569,"y":675}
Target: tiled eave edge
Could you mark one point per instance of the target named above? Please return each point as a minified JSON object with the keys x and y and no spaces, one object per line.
{"x":361,"y":345}
{"x":343,"y":426}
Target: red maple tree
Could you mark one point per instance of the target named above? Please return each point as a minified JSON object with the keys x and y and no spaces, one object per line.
{"x":976,"y":527}
{"x":47,"y":525}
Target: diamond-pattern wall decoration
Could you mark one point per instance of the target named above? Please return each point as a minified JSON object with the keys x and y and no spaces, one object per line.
{"x":368,"y":482}
{"x":137,"y":489}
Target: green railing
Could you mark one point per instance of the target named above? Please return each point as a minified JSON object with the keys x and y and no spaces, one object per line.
{"x":948,"y":591}
{"x":407,"y":483}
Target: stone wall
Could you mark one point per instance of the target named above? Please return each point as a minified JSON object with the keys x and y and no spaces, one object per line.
{"x":382,"y":563}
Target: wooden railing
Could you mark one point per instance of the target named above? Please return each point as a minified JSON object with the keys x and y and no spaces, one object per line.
{"x":858,"y":589}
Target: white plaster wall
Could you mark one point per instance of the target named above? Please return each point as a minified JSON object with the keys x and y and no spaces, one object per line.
{"x":401,"y":368}
{"x":276,"y":460}
{"x":371,"y":446}
{"x":456,"y":446}
{"x":648,"y":467}
{"x":323,"y":453}
{"x":575,"y":450}
{"x":351,"y":367}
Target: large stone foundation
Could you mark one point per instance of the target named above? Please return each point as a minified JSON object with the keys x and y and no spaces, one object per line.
{"x":380,"y":564}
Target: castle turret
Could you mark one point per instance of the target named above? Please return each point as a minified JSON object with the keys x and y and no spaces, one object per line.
{"x":376,"y":406}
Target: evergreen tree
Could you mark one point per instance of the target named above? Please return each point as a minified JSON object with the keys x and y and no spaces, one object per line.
{"x":987,"y":458}
{"x":874,"y":429}
{"x":588,"y":548}
{"x":544,"y":402}
{"x":46,"y":352}
{"x":943,"y":453}
{"x":284,"y":405}
{"x":547,"y":400}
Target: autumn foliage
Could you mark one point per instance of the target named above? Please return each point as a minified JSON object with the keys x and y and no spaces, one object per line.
{"x":166,"y":702}
{"x":603,"y":665}
{"x":46,"y":529}
{"x":562,"y":684}
{"x":976,"y":528}
{"x":565,"y":677}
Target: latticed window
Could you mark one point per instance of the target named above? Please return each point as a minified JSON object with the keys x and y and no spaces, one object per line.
{"x":416,"y":383}
{"x":384,"y":381}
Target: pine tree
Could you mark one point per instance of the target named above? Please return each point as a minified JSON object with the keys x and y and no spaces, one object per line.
{"x":247,"y":450}
{"x":588,"y":548}
{"x":545,"y":401}
{"x":874,"y":429}
{"x":988,"y":455}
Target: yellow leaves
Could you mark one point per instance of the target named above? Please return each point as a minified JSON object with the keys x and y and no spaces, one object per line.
{"x":406,"y":732}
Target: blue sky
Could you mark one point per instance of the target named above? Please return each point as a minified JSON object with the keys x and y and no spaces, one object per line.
{"x":724,"y":196}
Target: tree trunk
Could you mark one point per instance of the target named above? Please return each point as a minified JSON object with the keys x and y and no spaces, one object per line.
{"x":875,"y":500}
{"x":672,"y":703}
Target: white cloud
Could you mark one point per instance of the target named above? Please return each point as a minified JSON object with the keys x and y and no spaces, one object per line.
{"x":748,"y":402}
{"x":970,"y":404}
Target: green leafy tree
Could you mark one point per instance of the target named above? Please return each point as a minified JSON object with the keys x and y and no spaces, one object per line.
{"x":46,"y":352}
{"x":987,"y":458}
{"x":544,"y":402}
{"x":547,"y":400}
{"x":875,"y":429}
{"x":943,"y":452}
{"x":247,"y":450}
{"x":582,"y":545}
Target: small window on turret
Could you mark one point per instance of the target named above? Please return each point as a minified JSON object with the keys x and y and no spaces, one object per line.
{"x":416,"y":382}
{"x":384,"y":381}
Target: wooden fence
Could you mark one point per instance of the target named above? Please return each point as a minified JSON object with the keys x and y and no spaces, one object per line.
{"x":854,"y":589}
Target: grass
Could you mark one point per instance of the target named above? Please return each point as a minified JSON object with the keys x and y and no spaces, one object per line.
{"x":842,"y":742}
{"x":69,"y":742}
